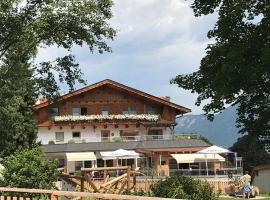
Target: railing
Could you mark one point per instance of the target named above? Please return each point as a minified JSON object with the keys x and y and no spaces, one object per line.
{"x":10,"y":193}
{"x":224,"y":172}
{"x":111,"y":139}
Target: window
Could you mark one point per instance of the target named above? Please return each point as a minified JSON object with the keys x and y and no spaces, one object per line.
{"x":109,"y":163}
{"x":76,"y":111}
{"x":54,"y":111}
{"x":129,"y":135}
{"x":83,"y":111}
{"x":155,"y":132}
{"x":105,"y":136}
{"x":129,"y":110}
{"x":133,"y":109}
{"x":78,"y":165}
{"x":79,"y":111}
{"x":76,"y":134}
{"x":151,"y":110}
{"x":59,"y":136}
{"x":125,"y":111}
{"x":87,"y":164}
{"x":104,"y":111}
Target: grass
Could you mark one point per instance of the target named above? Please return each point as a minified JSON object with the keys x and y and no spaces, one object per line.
{"x":267,"y":197}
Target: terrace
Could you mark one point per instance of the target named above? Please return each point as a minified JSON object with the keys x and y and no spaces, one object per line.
{"x":125,"y":138}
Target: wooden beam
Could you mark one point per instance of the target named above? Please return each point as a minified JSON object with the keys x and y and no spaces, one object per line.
{"x":89,"y":181}
{"x":122,"y":187}
{"x":128,"y":179}
{"x":103,"y":168}
{"x":114,"y":180}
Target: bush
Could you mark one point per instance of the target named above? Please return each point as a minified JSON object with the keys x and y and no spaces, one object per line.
{"x":29,"y":168}
{"x":181,"y":187}
{"x":51,"y":142}
{"x":71,"y":141}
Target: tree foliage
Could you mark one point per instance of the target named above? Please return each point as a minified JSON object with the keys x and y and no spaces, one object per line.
{"x":29,"y":169}
{"x":236,"y":68}
{"x":27,"y":26}
{"x":252,"y":151}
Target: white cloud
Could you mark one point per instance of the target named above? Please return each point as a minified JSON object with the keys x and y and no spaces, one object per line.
{"x":156,"y":41}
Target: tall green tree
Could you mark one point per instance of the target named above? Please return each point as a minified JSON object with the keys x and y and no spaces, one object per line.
{"x":252,"y":152}
{"x":236,"y":67}
{"x":27,"y":26}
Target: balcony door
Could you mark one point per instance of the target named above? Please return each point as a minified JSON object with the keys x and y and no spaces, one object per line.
{"x":105,"y":136}
{"x":155,"y":134}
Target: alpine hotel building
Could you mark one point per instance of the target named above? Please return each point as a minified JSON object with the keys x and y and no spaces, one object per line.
{"x":106,"y":116}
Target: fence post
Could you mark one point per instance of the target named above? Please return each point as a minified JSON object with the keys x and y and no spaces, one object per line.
{"x":82,"y":184}
{"x":53,"y":196}
{"x":128,"y":179}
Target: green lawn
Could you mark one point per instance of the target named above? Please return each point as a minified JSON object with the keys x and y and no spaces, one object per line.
{"x":266,"y":197}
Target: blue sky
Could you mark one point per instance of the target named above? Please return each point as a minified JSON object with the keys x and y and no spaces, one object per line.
{"x":156,"y":40}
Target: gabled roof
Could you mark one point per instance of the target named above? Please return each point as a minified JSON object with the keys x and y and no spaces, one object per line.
{"x":120,"y":87}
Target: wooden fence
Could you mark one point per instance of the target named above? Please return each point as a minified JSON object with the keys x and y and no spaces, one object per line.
{"x":116,"y":185}
{"x":37,"y":194}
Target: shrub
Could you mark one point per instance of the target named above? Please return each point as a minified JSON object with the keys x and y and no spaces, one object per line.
{"x":29,"y":168}
{"x":181,"y":187}
{"x":71,"y":141}
{"x":51,"y":142}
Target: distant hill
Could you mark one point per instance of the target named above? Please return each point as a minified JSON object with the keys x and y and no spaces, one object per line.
{"x":222,"y":131}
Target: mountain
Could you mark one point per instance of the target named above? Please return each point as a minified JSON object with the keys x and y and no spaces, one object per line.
{"x":222,"y":131}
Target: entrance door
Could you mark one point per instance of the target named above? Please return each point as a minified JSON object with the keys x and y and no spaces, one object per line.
{"x":105,"y":136}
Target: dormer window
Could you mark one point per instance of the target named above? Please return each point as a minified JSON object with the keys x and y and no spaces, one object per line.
{"x":151,"y":110}
{"x":104,"y":111}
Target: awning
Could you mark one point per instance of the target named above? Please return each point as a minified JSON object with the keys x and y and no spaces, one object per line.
{"x":197,"y":157}
{"x":80,"y":156}
{"x":119,"y":154}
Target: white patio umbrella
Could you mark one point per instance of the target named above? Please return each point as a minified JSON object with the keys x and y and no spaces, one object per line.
{"x":120,"y":154}
{"x":124,"y":153}
{"x":213,"y":150}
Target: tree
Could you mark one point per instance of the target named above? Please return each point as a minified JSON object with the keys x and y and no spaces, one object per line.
{"x":29,"y":169}
{"x":252,"y":152}
{"x":236,"y":68}
{"x":27,"y":26}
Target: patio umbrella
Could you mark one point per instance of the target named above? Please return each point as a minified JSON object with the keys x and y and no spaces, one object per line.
{"x":214,"y":150}
{"x":122,"y":153}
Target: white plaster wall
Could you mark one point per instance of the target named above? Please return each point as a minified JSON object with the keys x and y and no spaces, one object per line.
{"x":89,"y":134}
{"x":263,"y":181}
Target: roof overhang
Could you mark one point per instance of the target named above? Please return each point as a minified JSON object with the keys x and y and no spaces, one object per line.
{"x":118,"y":86}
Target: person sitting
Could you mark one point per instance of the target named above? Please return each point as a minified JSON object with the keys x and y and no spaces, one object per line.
{"x":246,"y":179}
